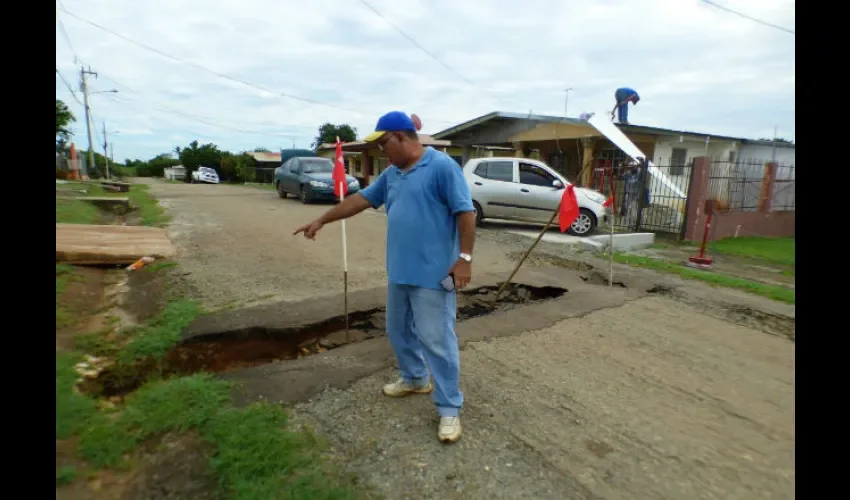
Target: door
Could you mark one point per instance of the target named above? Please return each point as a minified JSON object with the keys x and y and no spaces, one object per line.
{"x":493,"y":187}
{"x":536,"y":197}
{"x":291,"y":171}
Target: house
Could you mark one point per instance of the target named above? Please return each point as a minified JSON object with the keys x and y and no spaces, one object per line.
{"x":265,"y":159}
{"x":580,"y":153}
{"x":175,"y":173}
{"x":365,"y":161}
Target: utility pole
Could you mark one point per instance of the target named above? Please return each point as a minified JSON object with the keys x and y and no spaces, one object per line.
{"x":773,"y":150}
{"x":105,"y":150}
{"x":84,"y":87}
{"x":566,"y":100}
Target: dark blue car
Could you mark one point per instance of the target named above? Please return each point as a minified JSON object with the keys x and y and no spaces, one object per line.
{"x":309,"y":178}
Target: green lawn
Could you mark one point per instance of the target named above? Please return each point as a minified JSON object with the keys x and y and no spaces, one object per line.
{"x":773,"y":250}
{"x":81,"y":212}
{"x":774,"y":292}
{"x":256,"y":454}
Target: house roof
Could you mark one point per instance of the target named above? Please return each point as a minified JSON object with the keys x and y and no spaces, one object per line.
{"x":424,"y":139}
{"x":452,"y":132}
{"x":265,"y":156}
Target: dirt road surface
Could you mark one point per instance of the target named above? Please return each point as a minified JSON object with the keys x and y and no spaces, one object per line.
{"x":664,"y":389}
{"x":236,"y":243}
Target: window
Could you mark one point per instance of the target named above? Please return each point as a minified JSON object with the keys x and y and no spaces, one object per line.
{"x":496,"y":170}
{"x":534,"y":175}
{"x":677,"y":161}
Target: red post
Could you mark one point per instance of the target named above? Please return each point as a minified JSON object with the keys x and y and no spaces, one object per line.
{"x":701,"y":261}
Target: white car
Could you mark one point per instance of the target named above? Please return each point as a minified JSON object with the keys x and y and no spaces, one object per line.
{"x":527,"y":190}
{"x":205,"y":174}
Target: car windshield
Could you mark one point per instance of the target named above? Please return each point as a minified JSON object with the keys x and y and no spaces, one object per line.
{"x":317,"y":166}
{"x":207,"y":170}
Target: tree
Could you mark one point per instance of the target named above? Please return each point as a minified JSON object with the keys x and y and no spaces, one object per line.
{"x":777,"y":139}
{"x":207,"y":155}
{"x":262,"y":150}
{"x":328,"y":132}
{"x":64,"y":118}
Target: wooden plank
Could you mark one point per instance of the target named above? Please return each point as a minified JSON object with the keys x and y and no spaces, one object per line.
{"x":96,"y":244}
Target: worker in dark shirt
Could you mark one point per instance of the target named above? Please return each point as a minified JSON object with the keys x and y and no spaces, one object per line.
{"x":623,"y":96}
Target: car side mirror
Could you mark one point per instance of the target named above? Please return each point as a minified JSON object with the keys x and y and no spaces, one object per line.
{"x":557,"y":184}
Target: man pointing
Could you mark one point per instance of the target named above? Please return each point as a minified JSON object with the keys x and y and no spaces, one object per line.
{"x":430,"y":236}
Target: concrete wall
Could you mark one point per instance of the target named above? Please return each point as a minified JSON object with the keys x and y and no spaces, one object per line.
{"x":763,"y":222}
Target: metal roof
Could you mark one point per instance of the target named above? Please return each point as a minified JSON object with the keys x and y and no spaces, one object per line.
{"x":424,"y":139}
{"x":505,"y":115}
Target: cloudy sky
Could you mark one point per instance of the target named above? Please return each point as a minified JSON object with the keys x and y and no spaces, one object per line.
{"x":267,"y":73}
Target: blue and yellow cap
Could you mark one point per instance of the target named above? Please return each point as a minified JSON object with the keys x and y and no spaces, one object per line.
{"x":394,"y":121}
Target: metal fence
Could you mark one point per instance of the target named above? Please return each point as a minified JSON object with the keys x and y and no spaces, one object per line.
{"x":741,"y":185}
{"x":645,"y":201}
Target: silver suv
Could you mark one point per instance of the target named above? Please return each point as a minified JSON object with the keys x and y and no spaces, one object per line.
{"x":523,"y":189}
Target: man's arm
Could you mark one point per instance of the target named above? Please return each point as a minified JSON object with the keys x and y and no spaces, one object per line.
{"x":349,"y":207}
{"x":466,"y":230}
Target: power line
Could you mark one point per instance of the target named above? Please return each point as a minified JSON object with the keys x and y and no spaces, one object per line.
{"x":222,"y":75}
{"x":208,"y":70}
{"x":417,"y":44}
{"x":68,"y":85}
{"x":202,"y":119}
{"x":745,"y":16}
{"x":65,"y":33}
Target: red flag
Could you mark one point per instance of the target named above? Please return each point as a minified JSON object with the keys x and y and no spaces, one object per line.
{"x":609,"y":201}
{"x":568,"y":210}
{"x":339,"y":179}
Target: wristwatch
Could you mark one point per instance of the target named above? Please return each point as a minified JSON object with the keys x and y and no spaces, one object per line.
{"x":465,"y":256}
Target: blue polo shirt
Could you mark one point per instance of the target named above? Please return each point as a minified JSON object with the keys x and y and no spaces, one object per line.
{"x":422,"y":208}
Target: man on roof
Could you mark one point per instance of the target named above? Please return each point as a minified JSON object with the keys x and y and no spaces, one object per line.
{"x":624,"y":96}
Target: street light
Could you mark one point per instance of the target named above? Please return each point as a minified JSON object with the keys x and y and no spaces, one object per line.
{"x":111,"y":91}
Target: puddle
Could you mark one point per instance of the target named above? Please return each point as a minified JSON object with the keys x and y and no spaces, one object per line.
{"x":232,"y":350}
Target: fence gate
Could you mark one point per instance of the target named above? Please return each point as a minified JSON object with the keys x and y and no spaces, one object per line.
{"x":642,"y":202}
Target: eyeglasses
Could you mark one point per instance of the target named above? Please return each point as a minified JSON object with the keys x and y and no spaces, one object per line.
{"x":383,"y":144}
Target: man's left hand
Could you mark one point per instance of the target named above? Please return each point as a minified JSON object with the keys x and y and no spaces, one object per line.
{"x":462,"y":271}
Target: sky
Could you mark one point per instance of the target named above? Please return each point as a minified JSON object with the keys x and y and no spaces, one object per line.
{"x":268,"y":73}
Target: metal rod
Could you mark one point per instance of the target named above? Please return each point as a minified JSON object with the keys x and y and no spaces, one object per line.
{"x":527,"y":252}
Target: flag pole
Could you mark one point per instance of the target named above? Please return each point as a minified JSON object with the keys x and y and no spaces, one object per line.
{"x":611,"y":247}
{"x":344,"y":260}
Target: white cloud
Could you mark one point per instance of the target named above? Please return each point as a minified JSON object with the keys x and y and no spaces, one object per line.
{"x":696,"y":67}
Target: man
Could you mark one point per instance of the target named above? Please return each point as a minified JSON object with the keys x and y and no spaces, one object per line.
{"x":624,"y":96}
{"x":430,"y":235}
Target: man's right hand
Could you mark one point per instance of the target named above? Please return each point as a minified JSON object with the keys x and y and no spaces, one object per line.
{"x":310,"y":229}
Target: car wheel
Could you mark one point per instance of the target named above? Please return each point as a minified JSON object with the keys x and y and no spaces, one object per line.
{"x":479,"y":215}
{"x":585,"y":223}
{"x":304,"y":198}
{"x":280,"y":192}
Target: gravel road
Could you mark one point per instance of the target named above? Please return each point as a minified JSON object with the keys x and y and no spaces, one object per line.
{"x":236,"y":243}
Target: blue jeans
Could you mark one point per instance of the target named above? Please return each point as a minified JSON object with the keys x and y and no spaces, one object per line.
{"x":421,"y":329}
{"x":622,"y":111}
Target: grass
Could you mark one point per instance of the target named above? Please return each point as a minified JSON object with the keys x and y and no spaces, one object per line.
{"x":63,"y":275}
{"x":154,"y":339}
{"x":159,"y":265}
{"x":76,"y":212}
{"x":773,"y":250}
{"x":255,"y":456}
{"x":774,"y":292}
{"x":81,"y":212}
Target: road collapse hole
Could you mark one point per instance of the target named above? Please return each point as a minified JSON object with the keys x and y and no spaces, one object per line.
{"x":233,"y":350}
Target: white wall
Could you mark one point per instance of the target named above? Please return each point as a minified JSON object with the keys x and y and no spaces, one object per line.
{"x":784,"y":156}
